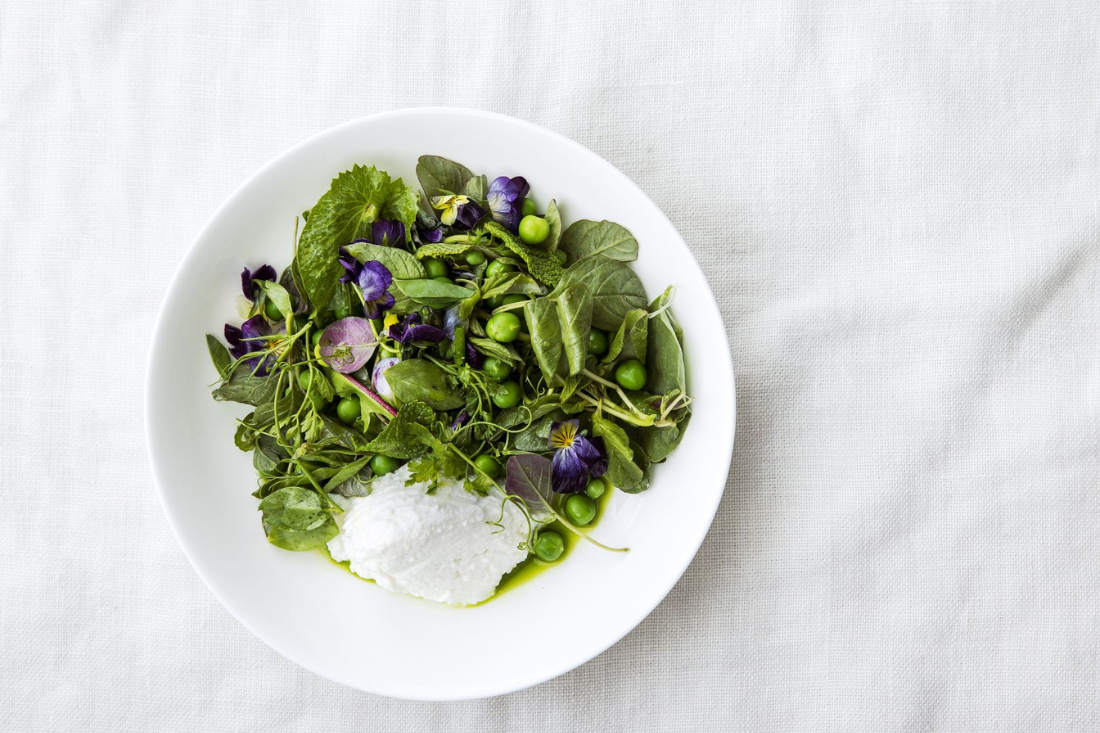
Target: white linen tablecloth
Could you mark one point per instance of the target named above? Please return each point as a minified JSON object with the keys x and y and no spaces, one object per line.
{"x":897,"y":205}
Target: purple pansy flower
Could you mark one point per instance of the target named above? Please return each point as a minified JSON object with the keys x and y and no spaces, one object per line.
{"x":351,"y":264}
{"x":474,"y":357}
{"x":388,"y":233}
{"x":248,"y":339}
{"x":506,"y":200}
{"x":432,"y":234}
{"x":249,"y":278}
{"x":576,"y":458}
{"x":374,"y":281}
{"x":462,"y":419}
{"x":469,"y":214}
{"x":411,"y":329}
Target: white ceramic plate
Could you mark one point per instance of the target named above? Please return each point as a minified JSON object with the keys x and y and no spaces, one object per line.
{"x":354,"y":632}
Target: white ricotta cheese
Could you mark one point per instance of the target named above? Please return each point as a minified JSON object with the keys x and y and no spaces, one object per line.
{"x":436,"y":546}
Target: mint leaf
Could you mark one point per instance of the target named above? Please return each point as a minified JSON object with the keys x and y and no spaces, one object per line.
{"x":355,"y":200}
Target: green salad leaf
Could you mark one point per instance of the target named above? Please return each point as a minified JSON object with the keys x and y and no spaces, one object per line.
{"x":419,"y":380}
{"x":439,"y":176}
{"x":586,"y":238}
{"x":401,"y":264}
{"x":615,"y":289}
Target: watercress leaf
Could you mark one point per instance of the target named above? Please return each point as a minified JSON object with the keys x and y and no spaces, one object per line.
{"x":431,"y":293}
{"x":553,"y":218}
{"x":419,"y":380}
{"x":587,"y":238}
{"x":542,"y":265}
{"x":616,"y":290}
{"x":622,"y":471}
{"x":528,"y":477}
{"x":401,"y":264}
{"x":219,"y":355}
{"x":630,"y":340}
{"x":503,"y":352}
{"x":355,"y":200}
{"x":665,"y":367}
{"x":300,"y":541}
{"x":545,"y":329}
{"x":439,"y":176}
{"x":245,"y":388}
{"x":575,"y":316}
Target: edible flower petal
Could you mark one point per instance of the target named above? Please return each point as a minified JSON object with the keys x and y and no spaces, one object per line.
{"x":378,"y":377}
{"x":248,"y":339}
{"x":506,"y":200}
{"x":448,"y":206}
{"x":474,"y":357}
{"x":351,"y":265}
{"x":388,"y":233}
{"x":469,"y":215}
{"x":576,"y":457}
{"x":374,"y":280}
{"x":347,"y":344}
{"x":249,"y":278}
{"x":411,"y":329}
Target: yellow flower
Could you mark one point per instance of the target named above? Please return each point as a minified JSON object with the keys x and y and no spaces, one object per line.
{"x":449,"y":206}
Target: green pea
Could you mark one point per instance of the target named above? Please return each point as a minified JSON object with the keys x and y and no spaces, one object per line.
{"x":272,"y":311}
{"x":596,"y":488}
{"x":489,"y":465}
{"x":549,"y":546}
{"x":533,"y":229}
{"x":315,"y":339}
{"x":510,"y":299}
{"x":508,"y":395}
{"x":580,"y":510}
{"x":496,"y":368}
{"x":474,"y":257}
{"x":348,"y":410}
{"x":630,"y":374}
{"x":503,"y":328}
{"x":561,"y":255}
{"x":528,"y":207}
{"x":381,"y":465}
{"x":597,"y":342}
{"x":435,"y":268}
{"x":496,"y":267}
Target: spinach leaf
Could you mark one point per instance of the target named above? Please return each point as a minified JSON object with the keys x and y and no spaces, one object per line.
{"x":477,"y":188}
{"x":587,"y":238}
{"x":431,"y":293}
{"x":219,"y":355}
{"x":660,"y":442}
{"x":630,"y":340}
{"x":267,"y":456}
{"x":522,"y":414}
{"x":349,"y":480}
{"x":616,"y":290}
{"x":510,"y":283}
{"x":439,"y":176}
{"x":244,"y":388}
{"x":503,"y":352}
{"x":575,"y":316}
{"x":401,"y":264}
{"x":542,"y":265}
{"x":665,"y":368}
{"x":419,"y":380}
{"x":293,"y":508}
{"x":356,"y":199}
{"x":621,"y":468}
{"x":553,"y":218}
{"x":545,"y":328}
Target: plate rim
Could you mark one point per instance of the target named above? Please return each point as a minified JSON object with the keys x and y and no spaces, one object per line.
{"x":191,"y":253}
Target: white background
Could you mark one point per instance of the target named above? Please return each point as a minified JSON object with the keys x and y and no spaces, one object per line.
{"x":897,"y":206}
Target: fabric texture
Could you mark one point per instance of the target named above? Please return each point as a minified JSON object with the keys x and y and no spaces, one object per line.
{"x":896,"y":204}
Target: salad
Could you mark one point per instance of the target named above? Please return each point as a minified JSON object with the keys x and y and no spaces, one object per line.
{"x":428,"y":358}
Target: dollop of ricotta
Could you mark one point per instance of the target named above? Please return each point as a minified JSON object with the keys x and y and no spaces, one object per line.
{"x":437,"y":546}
